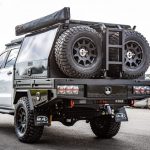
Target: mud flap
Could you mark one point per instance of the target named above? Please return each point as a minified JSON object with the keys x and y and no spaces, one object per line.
{"x":121,"y":115}
{"x":42,"y":120}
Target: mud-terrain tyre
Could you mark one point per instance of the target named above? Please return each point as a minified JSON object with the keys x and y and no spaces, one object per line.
{"x":25,"y":129}
{"x":105,"y":127}
{"x":78,"y":52}
{"x":136,"y":54}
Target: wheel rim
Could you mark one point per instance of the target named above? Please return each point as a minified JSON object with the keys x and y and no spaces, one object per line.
{"x":133,"y":55}
{"x":84,"y":52}
{"x":21,"y":120}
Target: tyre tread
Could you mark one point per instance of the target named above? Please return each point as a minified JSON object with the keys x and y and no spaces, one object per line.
{"x":60,"y":52}
{"x":33,"y":133}
{"x":108,"y":131}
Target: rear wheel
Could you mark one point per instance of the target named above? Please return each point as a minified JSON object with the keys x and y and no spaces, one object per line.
{"x":105,"y":127}
{"x":25,"y":129}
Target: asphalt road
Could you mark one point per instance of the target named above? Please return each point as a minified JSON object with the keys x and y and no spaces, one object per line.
{"x":133,"y":135}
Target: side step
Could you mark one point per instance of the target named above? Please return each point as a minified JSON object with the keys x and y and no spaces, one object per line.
{"x":7,"y":111}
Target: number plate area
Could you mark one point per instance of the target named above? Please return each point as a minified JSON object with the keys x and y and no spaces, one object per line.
{"x":114,"y":92}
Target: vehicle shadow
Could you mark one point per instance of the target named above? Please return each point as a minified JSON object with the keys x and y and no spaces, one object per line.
{"x":72,"y":139}
{"x":60,"y":137}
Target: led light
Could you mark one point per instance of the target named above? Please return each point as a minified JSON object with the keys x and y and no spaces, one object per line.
{"x":147,"y":90}
{"x":136,"y":90}
{"x":75,"y":90}
{"x":68,"y":89}
{"x":60,"y":89}
{"x":142,"y":90}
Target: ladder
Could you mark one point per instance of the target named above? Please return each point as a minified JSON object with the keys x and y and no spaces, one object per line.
{"x":118,"y":48}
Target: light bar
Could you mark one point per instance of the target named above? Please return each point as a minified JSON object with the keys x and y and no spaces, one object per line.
{"x":68,"y":89}
{"x":141,"y":90}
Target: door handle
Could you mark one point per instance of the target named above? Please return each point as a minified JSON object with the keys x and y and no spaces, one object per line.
{"x":9,"y":72}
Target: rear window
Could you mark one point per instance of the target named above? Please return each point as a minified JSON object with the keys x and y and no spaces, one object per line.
{"x":37,"y":46}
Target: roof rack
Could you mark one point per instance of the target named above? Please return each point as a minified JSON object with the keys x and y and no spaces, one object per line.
{"x":15,"y":42}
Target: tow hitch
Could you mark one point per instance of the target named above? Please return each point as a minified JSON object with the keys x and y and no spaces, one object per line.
{"x":121,"y":115}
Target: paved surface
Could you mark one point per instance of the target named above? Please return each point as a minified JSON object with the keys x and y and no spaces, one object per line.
{"x":134,"y":135}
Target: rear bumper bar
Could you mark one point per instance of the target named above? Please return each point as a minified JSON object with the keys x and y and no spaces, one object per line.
{"x":104,"y":89}
{"x":89,"y":89}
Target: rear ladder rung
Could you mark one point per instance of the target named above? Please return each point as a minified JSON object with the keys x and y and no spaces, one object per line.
{"x":115,"y":46}
{"x":114,"y":63}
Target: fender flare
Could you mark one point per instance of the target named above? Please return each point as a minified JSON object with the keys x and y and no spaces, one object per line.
{"x":20,"y":93}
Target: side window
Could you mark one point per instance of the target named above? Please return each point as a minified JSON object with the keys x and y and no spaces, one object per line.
{"x":37,"y":46}
{"x":12,"y":57}
{"x":2,"y":58}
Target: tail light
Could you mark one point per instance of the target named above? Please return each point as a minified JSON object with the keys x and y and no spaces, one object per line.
{"x":141,"y":90}
{"x":68,"y":89}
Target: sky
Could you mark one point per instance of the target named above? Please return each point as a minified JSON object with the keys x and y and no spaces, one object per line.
{"x":132,"y":12}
